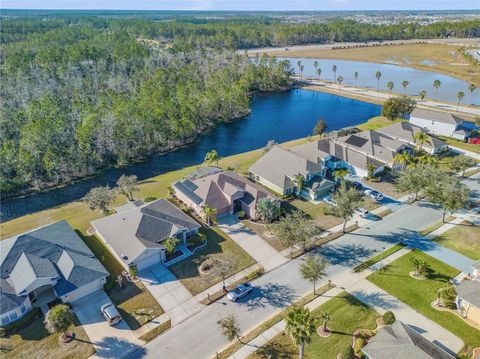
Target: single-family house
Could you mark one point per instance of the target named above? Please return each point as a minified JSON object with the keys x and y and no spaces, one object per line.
{"x":400,"y":341}
{"x":442,"y":123}
{"x":45,"y":265}
{"x":468,"y":295}
{"x":226,"y":191}
{"x":135,"y":234}
{"x":278,"y":170}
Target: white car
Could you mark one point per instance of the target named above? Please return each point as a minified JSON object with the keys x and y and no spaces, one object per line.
{"x":110,"y":313}
{"x":328,"y":200}
{"x":239,"y":292}
{"x":377,"y":196}
{"x":362,"y":212}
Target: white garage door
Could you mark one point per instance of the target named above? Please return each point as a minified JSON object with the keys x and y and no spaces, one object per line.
{"x":148,"y":261}
{"x":83,"y":291}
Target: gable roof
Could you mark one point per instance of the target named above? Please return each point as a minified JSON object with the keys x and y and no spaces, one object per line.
{"x":399,"y":341}
{"x":405,"y":131}
{"x":131,"y":232}
{"x":40,"y":254}
{"x":279,"y":166}
{"x":437,"y":116}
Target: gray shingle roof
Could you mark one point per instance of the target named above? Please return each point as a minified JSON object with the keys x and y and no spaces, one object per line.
{"x":437,"y":116}
{"x":405,"y":131}
{"x":470,"y":291}
{"x":41,"y":253}
{"x":399,"y":341}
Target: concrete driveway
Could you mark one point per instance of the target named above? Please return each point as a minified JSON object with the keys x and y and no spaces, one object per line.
{"x":109,"y":342}
{"x":251,"y":243}
{"x":170,"y":293}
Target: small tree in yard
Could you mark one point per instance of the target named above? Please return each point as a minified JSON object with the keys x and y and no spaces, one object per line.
{"x":421,"y":138}
{"x":419,"y":265}
{"x":100,"y":198}
{"x":267,"y":210}
{"x":58,"y":319}
{"x":313,"y":268}
{"x":448,"y":192}
{"x":347,"y":200}
{"x":398,"y":107}
{"x":296,"y":229}
{"x":325,"y":319}
{"x":299,"y":181}
{"x":229,"y":327}
{"x":461,"y":163}
{"x":212,"y":157}
{"x":388,"y":318}
{"x":415,"y":179}
{"x":320,"y":127}
{"x":170,"y":244}
{"x":300,"y":327}
{"x":370,"y":170}
{"x":126,"y":185}
{"x":210,"y":214}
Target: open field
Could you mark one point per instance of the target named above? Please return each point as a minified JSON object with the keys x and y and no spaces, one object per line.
{"x":419,"y":294}
{"x":464,"y":238}
{"x":347,"y":313}
{"x":446,"y":59}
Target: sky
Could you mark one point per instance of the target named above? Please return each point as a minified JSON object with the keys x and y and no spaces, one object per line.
{"x":246,"y":5}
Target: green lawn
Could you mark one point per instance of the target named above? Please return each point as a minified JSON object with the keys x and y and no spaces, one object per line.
{"x":464,"y":238}
{"x":347,"y":313}
{"x":315,"y":212}
{"x":219,"y":246}
{"x":31,"y":340}
{"x":375,"y":123}
{"x":419,"y":294}
{"x":436,"y":225}
{"x":461,"y":144}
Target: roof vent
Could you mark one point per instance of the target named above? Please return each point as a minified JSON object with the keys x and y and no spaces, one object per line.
{"x":124,"y":257}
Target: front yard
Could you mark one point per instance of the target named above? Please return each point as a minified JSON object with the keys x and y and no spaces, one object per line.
{"x":31,"y":340}
{"x":461,"y":144}
{"x":419,"y":294}
{"x":464,"y":238}
{"x":261,"y":230}
{"x":220,"y":248}
{"x":316,"y":212}
{"x":347,"y":315}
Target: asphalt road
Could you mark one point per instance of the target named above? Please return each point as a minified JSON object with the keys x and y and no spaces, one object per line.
{"x":198,"y":337}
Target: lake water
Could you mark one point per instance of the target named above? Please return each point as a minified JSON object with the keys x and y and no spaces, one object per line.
{"x":279,"y":116}
{"x":418,"y":80}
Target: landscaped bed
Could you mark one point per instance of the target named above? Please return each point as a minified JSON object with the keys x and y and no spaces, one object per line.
{"x":347,"y":315}
{"x":30,"y":339}
{"x":219,"y":247}
{"x":419,"y":294}
{"x":464,"y":238}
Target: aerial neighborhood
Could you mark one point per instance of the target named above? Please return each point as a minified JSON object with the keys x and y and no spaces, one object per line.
{"x":207,"y":184}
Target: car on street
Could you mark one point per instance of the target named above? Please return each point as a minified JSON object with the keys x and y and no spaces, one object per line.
{"x":239,"y":292}
{"x":328,"y":200}
{"x":474,"y":141}
{"x":362,"y":212}
{"x":110,"y":313}
{"x":375,"y":195}
{"x":357,"y":185}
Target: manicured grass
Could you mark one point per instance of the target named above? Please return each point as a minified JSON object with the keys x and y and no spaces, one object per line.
{"x":347,"y":313}
{"x":378,"y":257}
{"x":375,"y":123}
{"x":152,"y":334}
{"x":219,"y":245}
{"x":419,"y":294}
{"x":464,"y":238}
{"x":460,"y":144}
{"x":435,"y":226}
{"x":260,"y":230}
{"x":315,"y":212}
{"x":31,"y":340}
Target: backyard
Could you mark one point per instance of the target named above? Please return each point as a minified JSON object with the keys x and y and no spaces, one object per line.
{"x":347,"y":315}
{"x":419,"y":294}
{"x":30,"y":339}
{"x":464,"y":238}
{"x":219,"y":248}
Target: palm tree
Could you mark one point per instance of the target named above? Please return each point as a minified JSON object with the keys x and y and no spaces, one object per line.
{"x":319,"y":72}
{"x":301,"y":71}
{"x":421,"y":138}
{"x":390,"y":86}
{"x":334,"y":69}
{"x":339,"y":80}
{"x":299,"y":63}
{"x":299,"y":181}
{"x":428,"y":160}
{"x":355,"y":75}
{"x":378,"y":76}
{"x":460,"y":96}
{"x":404,"y":85}
{"x":436,"y":84}
{"x":210,"y":214}
{"x":422,"y":94}
{"x":300,"y":326}
{"x":212,"y":157}
{"x":471,"y":88}
{"x":403,"y":158}
{"x":315,"y":64}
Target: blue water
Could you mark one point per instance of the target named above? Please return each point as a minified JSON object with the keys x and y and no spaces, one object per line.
{"x":418,"y":80}
{"x":280,"y":116}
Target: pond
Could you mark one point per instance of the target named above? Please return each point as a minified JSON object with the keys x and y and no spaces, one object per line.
{"x":418,"y":80}
{"x":281,"y":116}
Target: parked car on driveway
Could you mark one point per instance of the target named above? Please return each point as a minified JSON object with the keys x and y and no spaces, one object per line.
{"x":375,"y":195}
{"x":110,"y":313}
{"x":239,"y":292}
{"x":328,"y":200}
{"x":362,"y":212}
{"x":474,"y":141}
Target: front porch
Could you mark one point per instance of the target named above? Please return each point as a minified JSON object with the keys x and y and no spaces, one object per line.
{"x":43,"y":298}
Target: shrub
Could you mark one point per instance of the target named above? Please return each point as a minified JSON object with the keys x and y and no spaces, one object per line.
{"x":196,"y":240}
{"x":150,"y":198}
{"x":348,"y":353}
{"x":59,"y":318}
{"x":449,"y":303}
{"x":388,"y":318}
{"x":133,"y":271}
{"x":241,"y":214}
{"x":109,"y":284}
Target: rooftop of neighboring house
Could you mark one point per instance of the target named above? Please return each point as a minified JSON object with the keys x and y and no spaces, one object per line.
{"x":437,"y":116}
{"x":54,"y":252}
{"x":469,"y":290}
{"x":405,"y":131}
{"x":216,"y":190}
{"x":399,"y":341}
{"x":144,"y":225}
{"x":279,"y":166}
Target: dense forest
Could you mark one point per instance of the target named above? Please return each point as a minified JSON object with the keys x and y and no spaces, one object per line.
{"x":83,"y":92}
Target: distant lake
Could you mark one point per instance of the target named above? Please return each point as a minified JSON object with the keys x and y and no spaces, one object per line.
{"x":281,"y":116}
{"x":418,"y":80}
